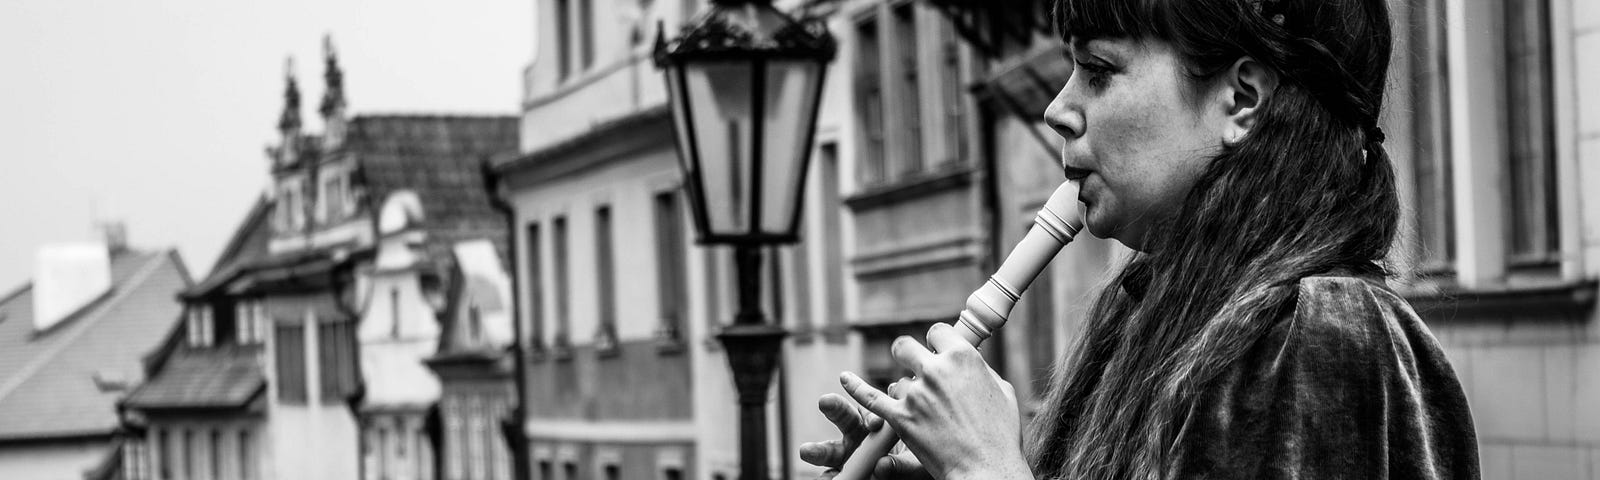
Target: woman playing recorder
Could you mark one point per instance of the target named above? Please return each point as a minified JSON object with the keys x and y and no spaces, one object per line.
{"x":1234,"y":145}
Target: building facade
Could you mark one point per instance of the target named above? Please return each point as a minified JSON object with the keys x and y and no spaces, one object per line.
{"x":70,"y":345}
{"x":475,"y":364}
{"x":303,"y":351}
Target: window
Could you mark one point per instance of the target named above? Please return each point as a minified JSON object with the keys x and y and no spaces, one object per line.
{"x":671,"y":473}
{"x":191,"y":454}
{"x":1509,"y":145}
{"x":671,"y":277}
{"x":570,"y":468}
{"x":223,"y":324}
{"x":612,"y":472}
{"x":545,"y":470}
{"x":910,"y":104}
{"x":248,"y":317}
{"x":563,"y":38}
{"x":381,"y":452}
{"x":606,"y":284}
{"x":869,"y":101}
{"x":403,"y":437}
{"x":828,"y":239}
{"x":199,"y":325}
{"x":563,"y":340}
{"x":454,"y":440}
{"x":330,"y":201}
{"x":907,"y":157}
{"x":394,"y":312}
{"x":535,"y":282}
{"x":247,"y":462}
{"x":290,"y":359}
{"x":163,"y":454}
{"x":1431,"y":150}
{"x":586,"y":27}
{"x":216,"y":454}
{"x":336,"y":355}
{"x":1532,"y":222}
{"x":954,"y":139}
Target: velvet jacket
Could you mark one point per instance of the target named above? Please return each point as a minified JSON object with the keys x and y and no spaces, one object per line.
{"x":1351,"y":385}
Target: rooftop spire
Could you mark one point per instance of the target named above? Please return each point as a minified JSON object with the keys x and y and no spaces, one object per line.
{"x":290,"y":120}
{"x":333,"y":76}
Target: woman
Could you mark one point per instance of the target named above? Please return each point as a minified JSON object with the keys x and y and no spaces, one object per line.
{"x":1234,"y":145}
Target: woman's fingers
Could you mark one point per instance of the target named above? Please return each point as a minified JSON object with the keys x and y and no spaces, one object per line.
{"x":872,"y":399}
{"x":900,"y":466}
{"x":843,"y":415}
{"x":910,"y":354}
{"x":944,"y":338}
{"x":831,"y":453}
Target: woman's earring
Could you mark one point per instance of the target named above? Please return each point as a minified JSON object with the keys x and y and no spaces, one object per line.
{"x":1232,"y":137}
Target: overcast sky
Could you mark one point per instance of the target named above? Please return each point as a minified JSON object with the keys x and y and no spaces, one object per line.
{"x":156,"y":112}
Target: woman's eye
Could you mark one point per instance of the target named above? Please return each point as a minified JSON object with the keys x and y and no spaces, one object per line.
{"x":1097,"y":74}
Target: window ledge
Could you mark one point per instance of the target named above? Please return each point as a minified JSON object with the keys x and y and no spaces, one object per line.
{"x":911,"y":187}
{"x":836,"y":334}
{"x":1554,"y":298}
{"x":561,"y":353}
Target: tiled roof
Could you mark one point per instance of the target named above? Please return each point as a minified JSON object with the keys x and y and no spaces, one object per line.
{"x":221,"y":377}
{"x":51,"y":382}
{"x":248,"y":246}
{"x":442,"y":159}
{"x":646,"y":119}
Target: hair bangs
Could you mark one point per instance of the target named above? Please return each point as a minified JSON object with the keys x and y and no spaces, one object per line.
{"x":1085,"y":19}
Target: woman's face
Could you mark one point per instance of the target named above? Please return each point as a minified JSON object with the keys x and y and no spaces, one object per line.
{"x":1138,"y":134}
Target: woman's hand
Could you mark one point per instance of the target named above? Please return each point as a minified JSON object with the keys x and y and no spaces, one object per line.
{"x":854,"y":424}
{"x":955,"y":414}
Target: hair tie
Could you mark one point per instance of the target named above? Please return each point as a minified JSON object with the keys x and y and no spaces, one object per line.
{"x":1272,"y":10}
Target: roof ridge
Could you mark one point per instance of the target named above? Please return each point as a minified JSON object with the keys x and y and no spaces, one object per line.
{"x":79,"y":327}
{"x":12,"y":295}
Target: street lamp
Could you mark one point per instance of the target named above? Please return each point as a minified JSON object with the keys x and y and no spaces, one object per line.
{"x":744,"y":84}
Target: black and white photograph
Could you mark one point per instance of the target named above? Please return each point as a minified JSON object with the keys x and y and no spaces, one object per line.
{"x":800,"y":240}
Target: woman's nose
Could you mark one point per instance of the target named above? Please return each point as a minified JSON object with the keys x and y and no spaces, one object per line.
{"x":1064,"y":116}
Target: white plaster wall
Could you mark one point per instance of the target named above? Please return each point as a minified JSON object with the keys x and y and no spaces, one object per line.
{"x":417,"y":321}
{"x":64,"y":461}
{"x":315,"y":442}
{"x":629,"y":187}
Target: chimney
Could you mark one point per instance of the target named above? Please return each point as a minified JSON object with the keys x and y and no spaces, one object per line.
{"x":116,"y":236}
{"x":66,"y":278}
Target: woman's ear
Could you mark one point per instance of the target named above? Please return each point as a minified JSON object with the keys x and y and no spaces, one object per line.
{"x":1247,"y":85}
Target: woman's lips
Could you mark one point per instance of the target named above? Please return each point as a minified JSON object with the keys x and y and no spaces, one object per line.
{"x":1075,"y":174}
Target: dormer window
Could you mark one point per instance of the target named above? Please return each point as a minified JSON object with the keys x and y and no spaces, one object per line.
{"x":200,"y":327}
{"x":251,"y":317}
{"x":335,"y":201}
{"x":290,"y":212}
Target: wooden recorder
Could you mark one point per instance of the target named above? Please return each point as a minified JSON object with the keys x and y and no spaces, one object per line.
{"x":988,"y":307}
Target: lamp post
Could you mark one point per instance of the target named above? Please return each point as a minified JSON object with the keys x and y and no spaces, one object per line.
{"x":744,"y":83}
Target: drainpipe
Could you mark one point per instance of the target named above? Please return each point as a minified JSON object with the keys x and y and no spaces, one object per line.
{"x":516,"y":435}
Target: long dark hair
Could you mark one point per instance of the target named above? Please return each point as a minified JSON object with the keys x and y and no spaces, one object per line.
{"x":1308,"y":190}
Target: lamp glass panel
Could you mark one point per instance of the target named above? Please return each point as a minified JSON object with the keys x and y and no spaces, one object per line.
{"x":720,"y":113}
{"x":680,"y":118}
{"x":683,"y":129}
{"x":791,"y":93}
